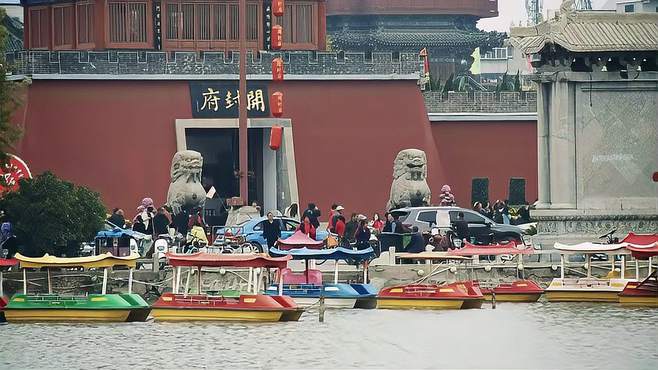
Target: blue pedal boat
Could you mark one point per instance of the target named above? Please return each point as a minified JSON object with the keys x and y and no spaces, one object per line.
{"x":307,"y":287}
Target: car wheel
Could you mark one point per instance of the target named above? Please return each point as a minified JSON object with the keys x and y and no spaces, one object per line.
{"x":256,"y":247}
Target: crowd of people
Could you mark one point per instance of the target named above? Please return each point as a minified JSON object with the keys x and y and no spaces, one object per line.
{"x":151,"y":221}
{"x":500,"y":212}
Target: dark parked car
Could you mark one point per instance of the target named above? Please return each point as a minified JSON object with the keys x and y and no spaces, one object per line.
{"x":483,"y":229}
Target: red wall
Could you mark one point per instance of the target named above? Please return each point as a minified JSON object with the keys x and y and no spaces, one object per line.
{"x":497,"y":150}
{"x":118,"y":137}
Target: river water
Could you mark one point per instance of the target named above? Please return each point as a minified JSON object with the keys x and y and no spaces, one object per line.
{"x":531,"y":336}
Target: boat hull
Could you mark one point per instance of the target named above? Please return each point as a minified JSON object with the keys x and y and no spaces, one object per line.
{"x":3,"y":303}
{"x":585,"y":290}
{"x":292,"y":314}
{"x":94,"y":307}
{"x":422,"y":304}
{"x":516,"y":291}
{"x":639,"y":301}
{"x":472,"y":304}
{"x":513,"y":297}
{"x":641,"y":294}
{"x":246,"y":307}
{"x":338,"y":295}
{"x":328,"y":302}
{"x":66,"y":315}
{"x":201,"y":314}
{"x":581,"y":296}
{"x":459,"y":295}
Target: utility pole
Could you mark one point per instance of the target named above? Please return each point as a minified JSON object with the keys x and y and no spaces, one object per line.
{"x":243,"y":136}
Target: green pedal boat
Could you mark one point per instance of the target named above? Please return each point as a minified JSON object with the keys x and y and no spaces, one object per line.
{"x":30,"y":307}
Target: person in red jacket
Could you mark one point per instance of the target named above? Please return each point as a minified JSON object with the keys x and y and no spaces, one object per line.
{"x":339,"y":221}
{"x":307,"y":228}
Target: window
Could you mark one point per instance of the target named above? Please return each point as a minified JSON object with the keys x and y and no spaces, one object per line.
{"x":209,"y":21}
{"x":39,"y":35}
{"x":298,"y":23}
{"x":127,"y":22}
{"x":290,"y":225}
{"x":516,"y":191}
{"x":85,"y":23}
{"x":427,"y":216}
{"x":630,"y":8}
{"x":480,"y":190}
{"x":470,"y":217}
{"x":63,"y":26}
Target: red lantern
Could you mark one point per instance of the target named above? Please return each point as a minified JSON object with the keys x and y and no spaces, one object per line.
{"x":277,"y":7}
{"x":276,"y":135}
{"x":276,"y":104}
{"x":277,"y":69}
{"x":277,"y":37}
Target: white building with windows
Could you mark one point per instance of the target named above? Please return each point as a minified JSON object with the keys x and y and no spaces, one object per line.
{"x":636,"y":6}
{"x":13,"y":8}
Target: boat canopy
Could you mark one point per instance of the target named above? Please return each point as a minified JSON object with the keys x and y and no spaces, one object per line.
{"x":226,"y":260}
{"x":6,"y":262}
{"x":430,"y":256}
{"x":298,"y":240}
{"x":590,"y":248}
{"x":643,"y":252}
{"x":119,"y":232}
{"x":641,"y":239}
{"x":339,"y":253}
{"x":102,"y":260}
{"x":488,"y":250}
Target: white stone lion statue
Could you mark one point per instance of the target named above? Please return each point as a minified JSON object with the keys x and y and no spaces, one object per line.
{"x":409,"y":187}
{"x":185,"y":191}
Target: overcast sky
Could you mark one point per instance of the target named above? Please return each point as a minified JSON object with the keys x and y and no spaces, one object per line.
{"x":512,"y":11}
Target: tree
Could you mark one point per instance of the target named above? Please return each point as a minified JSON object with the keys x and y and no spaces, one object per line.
{"x":9,"y":132}
{"x":53,"y":216}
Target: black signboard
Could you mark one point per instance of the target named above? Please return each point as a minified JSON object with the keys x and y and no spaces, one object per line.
{"x":267,"y":25}
{"x":220,"y":99}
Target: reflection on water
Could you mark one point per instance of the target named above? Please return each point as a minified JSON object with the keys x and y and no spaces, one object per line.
{"x":540,"y":335}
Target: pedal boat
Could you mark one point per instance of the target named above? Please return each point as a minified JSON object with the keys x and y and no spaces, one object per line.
{"x":457,"y":295}
{"x":307,"y":287}
{"x":589,"y":288}
{"x":645,"y":292}
{"x":4,"y":263}
{"x":249,"y":306}
{"x":520,"y":290}
{"x":53,"y":307}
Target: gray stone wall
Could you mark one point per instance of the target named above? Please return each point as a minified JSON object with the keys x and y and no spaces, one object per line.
{"x":128,"y":62}
{"x":480,"y":102}
{"x":597,"y":152}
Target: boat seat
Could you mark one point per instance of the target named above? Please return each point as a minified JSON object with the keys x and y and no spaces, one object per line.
{"x":290,"y":277}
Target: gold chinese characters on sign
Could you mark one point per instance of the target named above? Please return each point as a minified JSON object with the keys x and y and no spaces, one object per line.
{"x":215,"y":100}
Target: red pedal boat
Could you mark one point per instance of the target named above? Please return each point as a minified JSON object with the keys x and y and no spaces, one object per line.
{"x":520,"y":290}
{"x":459,"y":295}
{"x":228,"y":307}
{"x":645,"y":292}
{"x":4,"y":262}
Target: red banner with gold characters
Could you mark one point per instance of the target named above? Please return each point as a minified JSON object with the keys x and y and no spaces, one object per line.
{"x":11,"y":172}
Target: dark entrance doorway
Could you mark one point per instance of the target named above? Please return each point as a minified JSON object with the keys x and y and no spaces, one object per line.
{"x":220,"y":150}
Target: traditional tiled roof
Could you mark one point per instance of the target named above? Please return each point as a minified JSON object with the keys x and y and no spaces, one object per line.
{"x":591,"y":31}
{"x":393,"y":38}
{"x":14,"y":39}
